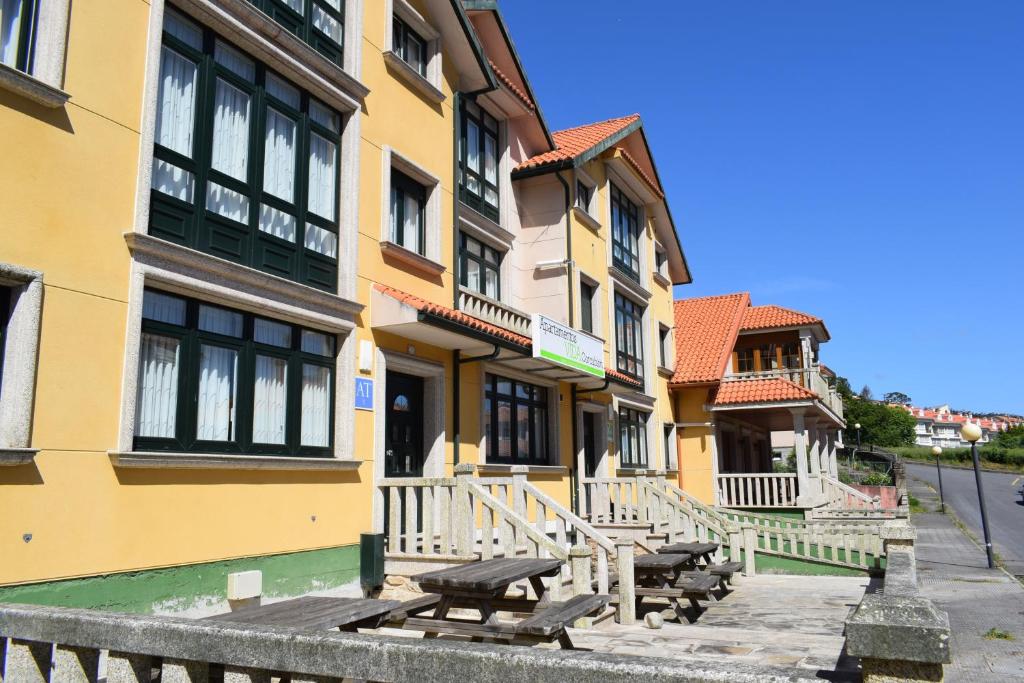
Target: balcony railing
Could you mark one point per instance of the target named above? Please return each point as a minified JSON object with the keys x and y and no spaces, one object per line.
{"x":809,"y":378}
{"x":495,"y":312}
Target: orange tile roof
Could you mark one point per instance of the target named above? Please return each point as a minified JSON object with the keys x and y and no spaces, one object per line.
{"x":760,"y":391}
{"x":766,"y":317}
{"x":705,"y":332}
{"x":572,"y":142}
{"x":516,"y":90}
{"x":453,"y":315}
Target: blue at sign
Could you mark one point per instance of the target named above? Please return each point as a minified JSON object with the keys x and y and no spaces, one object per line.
{"x":364,"y":394}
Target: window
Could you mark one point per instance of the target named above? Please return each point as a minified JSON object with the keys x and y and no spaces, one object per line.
{"x":318,"y":23}
{"x":408,"y":225}
{"x":625,"y":234}
{"x":583,"y":194}
{"x":479,"y":267}
{"x":632,"y":438}
{"x":17,"y":33}
{"x":664,"y":346}
{"x":515,"y":421}
{"x":245,"y":165}
{"x":5,"y":317}
{"x":629,"y":343}
{"x":744,"y":360}
{"x":769,"y":357}
{"x":669,"y":445}
{"x":587,"y":294}
{"x":409,"y":46}
{"x":791,"y":355}
{"x":478,"y":160}
{"x":212,"y":379}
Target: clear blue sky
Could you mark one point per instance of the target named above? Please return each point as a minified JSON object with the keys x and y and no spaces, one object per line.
{"x":862,"y":160}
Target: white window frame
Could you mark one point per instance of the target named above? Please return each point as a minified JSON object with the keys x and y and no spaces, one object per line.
{"x":44,"y":84}
{"x":429,"y":263}
{"x":429,"y":86}
{"x":21,"y":360}
{"x":660,"y":273}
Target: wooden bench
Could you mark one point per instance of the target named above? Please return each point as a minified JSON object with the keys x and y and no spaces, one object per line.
{"x":550,"y":624}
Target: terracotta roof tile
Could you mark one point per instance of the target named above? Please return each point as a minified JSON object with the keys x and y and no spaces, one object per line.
{"x":705,"y":333}
{"x":572,"y":142}
{"x":516,"y":90}
{"x":766,"y":317}
{"x":760,"y":391}
{"x":453,"y":315}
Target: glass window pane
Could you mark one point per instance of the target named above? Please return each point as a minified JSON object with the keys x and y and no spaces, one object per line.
{"x":318,"y":343}
{"x":504,"y":386}
{"x":413,"y":216}
{"x":231,"y":130}
{"x":396,"y":207}
{"x":163,"y":308}
{"x":504,"y":430}
{"x":540,"y":433}
{"x":523,"y":431}
{"x":270,"y":332}
{"x":157,"y":401}
{"x":220,"y":321}
{"x":316,"y":406}
{"x":491,"y":286}
{"x":279,"y":156}
{"x":473,"y":146}
{"x":234,"y":61}
{"x":323,"y":176}
{"x":321,"y":241}
{"x":227,"y":202}
{"x":270,"y":400}
{"x":176,"y":102}
{"x":181,"y":28}
{"x":326,"y":24}
{"x":173,"y":181}
{"x":283,"y":90}
{"x":218,"y":370}
{"x":324,"y":116}
{"x":277,"y":223}
{"x":490,"y":160}
{"x":472,"y":275}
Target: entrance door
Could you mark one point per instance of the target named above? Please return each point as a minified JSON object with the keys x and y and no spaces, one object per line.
{"x":590,"y":452}
{"x":403,"y":426}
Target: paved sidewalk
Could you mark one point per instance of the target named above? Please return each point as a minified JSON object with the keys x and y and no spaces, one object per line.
{"x":954,"y":575}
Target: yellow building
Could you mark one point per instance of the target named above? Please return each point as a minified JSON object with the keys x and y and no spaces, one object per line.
{"x":263,"y":255}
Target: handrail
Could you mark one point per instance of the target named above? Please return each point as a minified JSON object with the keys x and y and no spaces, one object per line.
{"x":521,"y":524}
{"x":849,"y":491}
{"x":578,"y":522}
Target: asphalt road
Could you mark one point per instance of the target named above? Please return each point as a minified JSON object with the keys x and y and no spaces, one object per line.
{"x":1002,"y":502}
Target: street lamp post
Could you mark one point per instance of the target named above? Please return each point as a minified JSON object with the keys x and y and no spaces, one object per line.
{"x":972,"y":432}
{"x":938,"y":468}
{"x":854,"y":454}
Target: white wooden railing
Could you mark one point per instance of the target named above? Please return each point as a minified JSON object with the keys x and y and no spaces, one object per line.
{"x":757,"y":489}
{"x":489,"y":310}
{"x":809,"y":378}
{"x":839,"y":495}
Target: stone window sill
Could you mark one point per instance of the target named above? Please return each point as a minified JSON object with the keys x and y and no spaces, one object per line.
{"x":417,"y":262}
{"x":32,"y":88}
{"x":412,"y":78}
{"x":499,"y":468}
{"x":661,"y":279}
{"x":586,"y":219}
{"x":665,"y":372}
{"x":218,"y":461}
{"x":12,"y":457}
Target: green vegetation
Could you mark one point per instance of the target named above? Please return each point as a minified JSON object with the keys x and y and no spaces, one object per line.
{"x":877,"y":479}
{"x":998,"y":634}
{"x":991,"y":455}
{"x":880,"y":424}
{"x":915,"y":505}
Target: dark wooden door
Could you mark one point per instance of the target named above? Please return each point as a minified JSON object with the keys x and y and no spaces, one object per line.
{"x":403,"y":422}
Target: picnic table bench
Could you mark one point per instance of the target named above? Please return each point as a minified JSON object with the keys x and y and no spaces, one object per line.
{"x":481,"y":586}
{"x":660,"y":576}
{"x":315,"y":613}
{"x":724,"y":570}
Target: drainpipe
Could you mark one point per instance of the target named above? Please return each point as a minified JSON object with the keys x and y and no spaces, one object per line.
{"x":573,"y":421}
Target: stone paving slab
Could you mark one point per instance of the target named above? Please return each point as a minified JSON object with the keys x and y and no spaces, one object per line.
{"x":953,"y":573}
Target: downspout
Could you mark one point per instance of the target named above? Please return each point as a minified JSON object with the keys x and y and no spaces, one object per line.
{"x":573,"y":421}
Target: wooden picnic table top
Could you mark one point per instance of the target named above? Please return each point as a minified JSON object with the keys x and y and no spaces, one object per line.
{"x":312,"y":612}
{"x":661,"y":562}
{"x":694,"y":548}
{"x":486,"y":576}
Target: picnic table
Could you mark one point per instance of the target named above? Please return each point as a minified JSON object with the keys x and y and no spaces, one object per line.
{"x":481,"y":586}
{"x":723,"y":571}
{"x":315,"y":613}
{"x":661,"y":576}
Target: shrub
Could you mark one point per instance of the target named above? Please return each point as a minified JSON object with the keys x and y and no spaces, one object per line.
{"x":877,"y":479}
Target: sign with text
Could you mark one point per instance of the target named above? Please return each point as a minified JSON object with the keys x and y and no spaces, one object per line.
{"x":364,"y":393}
{"x":567,"y":347}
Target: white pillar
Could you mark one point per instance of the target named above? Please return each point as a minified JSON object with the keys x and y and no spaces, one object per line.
{"x":813,"y":445}
{"x":833,"y":459}
{"x":800,"y":451}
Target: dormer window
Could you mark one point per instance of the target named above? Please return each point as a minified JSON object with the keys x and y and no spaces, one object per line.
{"x":409,"y":46}
{"x":625,"y":233}
{"x":478,"y":160}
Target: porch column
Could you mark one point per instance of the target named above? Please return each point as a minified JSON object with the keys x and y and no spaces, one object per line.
{"x":833,"y":450}
{"x":800,"y":451}
{"x":813,"y":449}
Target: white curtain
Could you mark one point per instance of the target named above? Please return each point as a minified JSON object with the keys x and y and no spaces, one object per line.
{"x":279,"y":156}
{"x":323,"y":175}
{"x":277,"y":223}
{"x":321,"y":241}
{"x":270,"y":400}
{"x":220,"y":321}
{"x":173,"y":180}
{"x":157,"y":400}
{"x":412,"y":224}
{"x":176,"y":102}
{"x":218,"y":372}
{"x":163,"y":308}
{"x":316,"y":405}
{"x":231,"y":130}
{"x":326,"y":24}
{"x":11,"y":12}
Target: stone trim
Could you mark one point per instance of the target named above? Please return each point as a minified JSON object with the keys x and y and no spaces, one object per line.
{"x":431,"y":260}
{"x":220,"y":461}
{"x":21,"y":354}
{"x":44,"y":85}
{"x":420,"y":84}
{"x":414,"y":261}
{"x":11,"y":457}
{"x":32,"y":88}
{"x":498,"y":468}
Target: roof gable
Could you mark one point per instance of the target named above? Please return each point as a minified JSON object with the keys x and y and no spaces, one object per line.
{"x":705,"y":334}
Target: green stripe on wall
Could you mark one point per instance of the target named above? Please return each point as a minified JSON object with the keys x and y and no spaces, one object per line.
{"x":194,"y":586}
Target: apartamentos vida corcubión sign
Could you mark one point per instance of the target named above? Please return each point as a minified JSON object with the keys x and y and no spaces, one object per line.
{"x":567,"y":347}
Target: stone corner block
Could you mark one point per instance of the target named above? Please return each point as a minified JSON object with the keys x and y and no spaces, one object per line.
{"x":465,"y":468}
{"x":898,"y":628}
{"x":898,"y":532}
